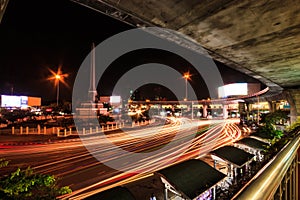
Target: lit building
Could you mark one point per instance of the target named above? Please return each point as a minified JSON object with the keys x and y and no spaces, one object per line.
{"x":12,"y":101}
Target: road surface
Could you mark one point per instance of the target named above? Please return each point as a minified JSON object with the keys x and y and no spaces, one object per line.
{"x":94,"y":163}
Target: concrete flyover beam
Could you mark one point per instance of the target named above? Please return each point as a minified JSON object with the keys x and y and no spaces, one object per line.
{"x":258,"y":38}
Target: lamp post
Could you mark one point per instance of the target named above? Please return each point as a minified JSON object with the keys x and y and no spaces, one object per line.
{"x":57,"y":78}
{"x":186,"y":76}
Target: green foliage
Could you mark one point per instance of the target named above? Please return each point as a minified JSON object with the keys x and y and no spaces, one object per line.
{"x":276,"y":136}
{"x":269,"y":131}
{"x":3,"y":162}
{"x":64,"y":190}
{"x":103,"y":119}
{"x":270,"y":120}
{"x":27,"y":185}
{"x":14,"y":115}
{"x":275,"y":117}
{"x":272,"y":147}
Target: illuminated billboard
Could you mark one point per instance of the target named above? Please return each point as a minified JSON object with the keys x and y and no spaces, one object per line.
{"x":234,"y":89}
{"x":10,"y":101}
{"x":115,"y":99}
{"x":23,"y":101}
{"x":34,"y":101}
{"x":19,"y":101}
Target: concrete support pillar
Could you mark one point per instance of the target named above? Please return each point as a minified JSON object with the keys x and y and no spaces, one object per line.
{"x":45,"y":130}
{"x":293,"y":97}
{"x":21,"y":130}
{"x":225,"y":111}
{"x":204,"y":114}
{"x":247,"y":110}
{"x":27,"y":130}
{"x":38,"y":129}
{"x":192,"y":110}
{"x":272,"y":106}
{"x":91,"y":130}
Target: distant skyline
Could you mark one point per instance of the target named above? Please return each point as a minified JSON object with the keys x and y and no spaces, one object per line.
{"x":39,"y":35}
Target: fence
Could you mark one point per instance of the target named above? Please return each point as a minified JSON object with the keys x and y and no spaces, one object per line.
{"x":64,"y":132}
{"x":279,"y":179}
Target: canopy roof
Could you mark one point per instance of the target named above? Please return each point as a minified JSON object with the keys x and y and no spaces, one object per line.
{"x":233,"y":155}
{"x":192,"y":177}
{"x":253,"y":143}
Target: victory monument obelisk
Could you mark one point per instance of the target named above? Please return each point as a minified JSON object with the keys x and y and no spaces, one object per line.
{"x":90,"y":107}
{"x":92,"y":90}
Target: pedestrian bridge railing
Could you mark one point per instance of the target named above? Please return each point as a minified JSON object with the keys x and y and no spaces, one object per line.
{"x":278,"y":179}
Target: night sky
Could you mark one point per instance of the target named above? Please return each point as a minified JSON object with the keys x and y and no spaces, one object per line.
{"x":36,"y":35}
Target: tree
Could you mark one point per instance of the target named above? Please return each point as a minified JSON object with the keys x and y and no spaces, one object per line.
{"x":269,"y":124}
{"x":103,"y":119}
{"x":275,"y":117}
{"x":27,"y":185}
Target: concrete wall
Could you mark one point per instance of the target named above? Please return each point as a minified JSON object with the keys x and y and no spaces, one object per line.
{"x":293,"y":97}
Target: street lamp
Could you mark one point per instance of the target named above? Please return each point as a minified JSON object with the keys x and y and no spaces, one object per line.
{"x":58,"y":77}
{"x":187,"y":77}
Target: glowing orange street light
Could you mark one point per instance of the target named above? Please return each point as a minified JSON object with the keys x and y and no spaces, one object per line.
{"x":58,"y":77}
{"x":186,"y":76}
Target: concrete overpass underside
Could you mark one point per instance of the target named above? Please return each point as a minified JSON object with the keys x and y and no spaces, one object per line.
{"x":258,"y":38}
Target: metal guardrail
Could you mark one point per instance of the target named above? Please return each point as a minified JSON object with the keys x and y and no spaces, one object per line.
{"x":278,"y":179}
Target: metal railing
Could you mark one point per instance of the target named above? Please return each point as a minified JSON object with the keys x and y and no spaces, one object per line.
{"x":278,"y":179}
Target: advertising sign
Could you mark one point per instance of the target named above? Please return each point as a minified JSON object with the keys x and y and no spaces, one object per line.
{"x":234,"y":89}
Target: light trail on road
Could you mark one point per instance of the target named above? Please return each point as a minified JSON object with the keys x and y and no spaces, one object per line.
{"x":79,"y":168}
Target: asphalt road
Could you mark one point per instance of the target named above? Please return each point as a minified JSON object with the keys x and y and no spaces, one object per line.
{"x":92,"y":164}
